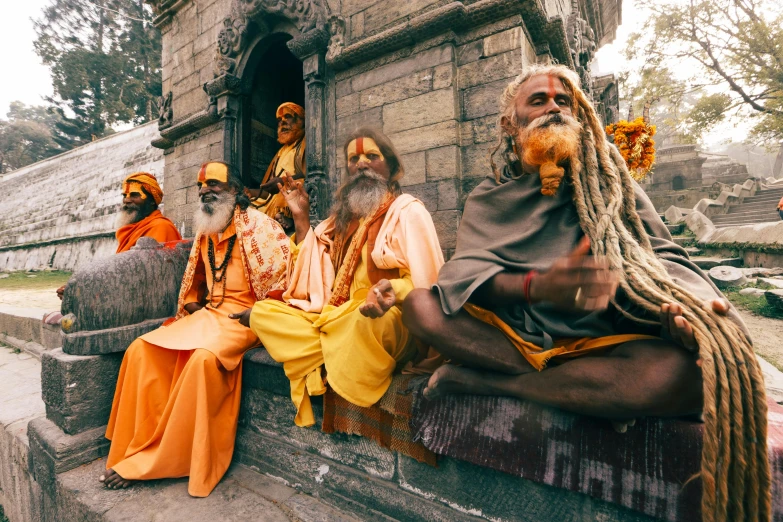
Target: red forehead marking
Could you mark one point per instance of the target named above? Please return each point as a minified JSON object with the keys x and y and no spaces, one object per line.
{"x":359,"y":145}
{"x":202,"y":174}
{"x":551,"y":92}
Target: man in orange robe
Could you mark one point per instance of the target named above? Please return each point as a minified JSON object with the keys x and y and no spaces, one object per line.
{"x":139,"y":215}
{"x":341,"y":322}
{"x":289,"y":161}
{"x":176,"y":404}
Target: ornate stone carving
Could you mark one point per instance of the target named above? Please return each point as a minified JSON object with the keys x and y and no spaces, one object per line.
{"x":227,"y":83}
{"x":165,"y":111}
{"x":310,"y":43}
{"x":305,"y":14}
{"x":231,"y":41}
{"x":581,"y":41}
{"x":337,"y":40}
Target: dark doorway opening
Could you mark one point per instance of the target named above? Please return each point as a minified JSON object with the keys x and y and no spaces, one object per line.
{"x":678,"y":183}
{"x":277,"y":79}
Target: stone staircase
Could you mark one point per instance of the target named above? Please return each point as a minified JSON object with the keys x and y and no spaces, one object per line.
{"x":754,"y":209}
{"x":696,"y":255}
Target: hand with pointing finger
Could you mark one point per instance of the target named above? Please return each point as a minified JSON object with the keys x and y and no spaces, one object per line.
{"x":380,"y":298}
{"x":577,"y":281}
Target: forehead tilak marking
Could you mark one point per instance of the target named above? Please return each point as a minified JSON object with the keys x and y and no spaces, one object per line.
{"x":359,"y":146}
{"x":551,"y":91}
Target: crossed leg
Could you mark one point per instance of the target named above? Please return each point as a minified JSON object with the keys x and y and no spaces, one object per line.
{"x":637,"y":378}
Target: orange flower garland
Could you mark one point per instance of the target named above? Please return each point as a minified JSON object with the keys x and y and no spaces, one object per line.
{"x":634,"y":140}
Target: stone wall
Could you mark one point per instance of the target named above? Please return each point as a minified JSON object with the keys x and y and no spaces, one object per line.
{"x":60,"y":212}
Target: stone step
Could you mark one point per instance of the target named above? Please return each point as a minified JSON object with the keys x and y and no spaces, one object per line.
{"x":706,"y":262}
{"x":693,"y":251}
{"x":683,"y":241}
{"x":676,"y":229}
{"x":751,"y":209}
{"x":727,"y":224}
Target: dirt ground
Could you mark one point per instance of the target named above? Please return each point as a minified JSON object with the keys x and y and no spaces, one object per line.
{"x":767,"y":337}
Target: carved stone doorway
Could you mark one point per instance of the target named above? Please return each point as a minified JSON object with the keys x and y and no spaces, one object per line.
{"x":678,"y":183}
{"x":277,"y":78}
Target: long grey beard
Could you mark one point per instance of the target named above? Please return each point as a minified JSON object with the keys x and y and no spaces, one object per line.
{"x":212,"y":217}
{"x":359,"y":198}
{"x":127,"y":217}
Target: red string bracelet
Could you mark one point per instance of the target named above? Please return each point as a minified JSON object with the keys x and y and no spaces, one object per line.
{"x":526,"y":284}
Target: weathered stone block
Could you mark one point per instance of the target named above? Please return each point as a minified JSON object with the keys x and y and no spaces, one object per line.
{"x":110,"y":340}
{"x":272,"y":414}
{"x":443,"y":76}
{"x":427,"y":193}
{"x":382,"y":14}
{"x":260,"y":371}
{"x":475,"y":161}
{"x":509,"y":40}
{"x":78,"y":390}
{"x":343,"y":88}
{"x":470,"y":52}
{"x":348,"y":124}
{"x":347,"y":105}
{"x":404,"y":67}
{"x":400,"y":89}
{"x":415,"y":168}
{"x":53,"y":452}
{"x":448,"y":194}
{"x":468,"y":184}
{"x":423,"y":138}
{"x":427,"y":109}
{"x":446,"y":225}
{"x":482,"y":100}
{"x":357,"y":26}
{"x":480,"y":72}
{"x":443,"y":163}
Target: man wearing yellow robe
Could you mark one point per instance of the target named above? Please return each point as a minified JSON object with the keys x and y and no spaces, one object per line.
{"x":139,"y":215}
{"x":340,"y":321}
{"x":289,"y":161}
{"x":176,"y":404}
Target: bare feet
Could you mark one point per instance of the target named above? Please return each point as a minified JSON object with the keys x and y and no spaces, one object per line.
{"x":113,"y":481}
{"x":450,"y":379}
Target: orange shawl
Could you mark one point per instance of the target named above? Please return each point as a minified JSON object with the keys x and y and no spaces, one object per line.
{"x":156,"y":226}
{"x":265,"y":251}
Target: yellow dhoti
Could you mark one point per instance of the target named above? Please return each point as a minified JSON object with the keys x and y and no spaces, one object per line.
{"x":562,"y":349}
{"x":359,"y":353}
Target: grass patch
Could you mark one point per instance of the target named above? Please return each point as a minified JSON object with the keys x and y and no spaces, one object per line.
{"x":756,"y":304}
{"x":3,"y":518}
{"x":41,"y":280}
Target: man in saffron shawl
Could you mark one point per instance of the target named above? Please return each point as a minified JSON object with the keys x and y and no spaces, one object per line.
{"x":288,"y":162}
{"x":340,"y":321}
{"x":176,"y":404}
{"x":523,"y":293}
{"x":139,"y":215}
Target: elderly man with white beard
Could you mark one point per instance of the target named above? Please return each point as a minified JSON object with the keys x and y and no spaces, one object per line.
{"x":176,"y":404}
{"x":339,"y":323}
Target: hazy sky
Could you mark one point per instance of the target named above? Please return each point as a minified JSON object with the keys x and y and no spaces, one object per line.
{"x":25,"y":78}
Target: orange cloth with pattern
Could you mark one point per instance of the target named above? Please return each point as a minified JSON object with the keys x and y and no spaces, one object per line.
{"x":156,"y":226}
{"x":562,"y":349}
{"x":177,"y":399}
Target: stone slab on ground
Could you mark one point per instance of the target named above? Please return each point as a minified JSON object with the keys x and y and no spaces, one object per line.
{"x":775,"y":298}
{"x":726,"y":276}
{"x":777,"y":283}
{"x":78,"y":390}
{"x":20,"y":401}
{"x":242,"y":495}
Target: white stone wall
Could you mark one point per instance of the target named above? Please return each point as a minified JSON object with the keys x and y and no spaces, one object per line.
{"x":60,"y":212}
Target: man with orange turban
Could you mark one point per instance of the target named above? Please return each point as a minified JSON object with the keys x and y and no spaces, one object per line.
{"x":289,"y":161}
{"x":176,"y":404}
{"x":340,"y":321}
{"x":139,"y":215}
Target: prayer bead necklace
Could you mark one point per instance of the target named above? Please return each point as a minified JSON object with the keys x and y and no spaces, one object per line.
{"x":222,"y":269}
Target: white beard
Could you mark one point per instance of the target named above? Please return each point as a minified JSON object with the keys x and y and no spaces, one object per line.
{"x":365,"y":198}
{"x":213,"y":217}
{"x":127,"y":217}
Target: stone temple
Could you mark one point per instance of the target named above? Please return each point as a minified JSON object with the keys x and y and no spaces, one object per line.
{"x":429,"y":74}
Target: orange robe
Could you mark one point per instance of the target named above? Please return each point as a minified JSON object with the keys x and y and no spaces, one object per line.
{"x":156,"y":226}
{"x":177,"y":400}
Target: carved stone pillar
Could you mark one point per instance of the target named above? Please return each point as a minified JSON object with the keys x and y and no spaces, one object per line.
{"x":225,"y":91}
{"x":311,"y":48}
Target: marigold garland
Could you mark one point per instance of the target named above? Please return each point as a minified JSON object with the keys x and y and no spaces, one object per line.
{"x":634,"y":140}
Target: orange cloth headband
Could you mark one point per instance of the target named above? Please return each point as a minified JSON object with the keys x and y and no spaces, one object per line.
{"x":146,"y":180}
{"x":290,"y":107}
{"x":213,"y":170}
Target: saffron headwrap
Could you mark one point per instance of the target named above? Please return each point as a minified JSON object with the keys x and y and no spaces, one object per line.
{"x":292,"y":107}
{"x":145,"y":180}
{"x":216,"y":170}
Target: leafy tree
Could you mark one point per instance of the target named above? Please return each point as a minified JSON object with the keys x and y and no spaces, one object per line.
{"x":104,"y":57}
{"x":736,"y":50}
{"x":26,"y":137}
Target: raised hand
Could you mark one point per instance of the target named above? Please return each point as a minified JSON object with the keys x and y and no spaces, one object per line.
{"x":380,"y":298}
{"x":60,"y":292}
{"x":296,"y":196}
{"x":242,"y":317}
{"x":675,"y":326}
{"x":577,"y":281}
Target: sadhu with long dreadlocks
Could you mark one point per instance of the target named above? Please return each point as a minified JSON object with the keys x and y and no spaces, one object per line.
{"x":562,"y":255}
